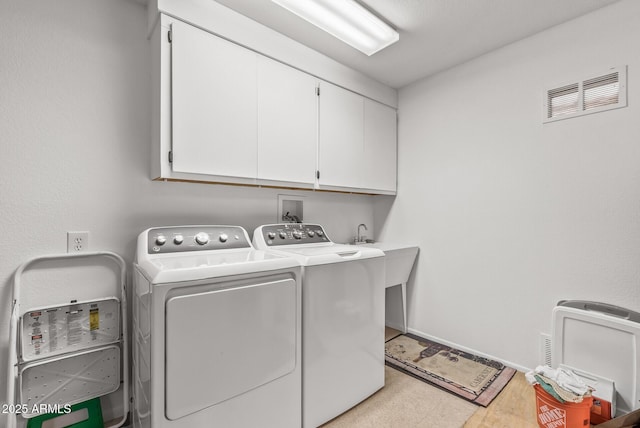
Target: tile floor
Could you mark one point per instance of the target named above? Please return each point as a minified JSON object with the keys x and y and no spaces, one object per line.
{"x":410,"y":403}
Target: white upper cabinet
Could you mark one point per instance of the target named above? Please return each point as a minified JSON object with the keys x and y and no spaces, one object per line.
{"x":357,"y":142}
{"x":340,"y":137}
{"x":224,"y":113}
{"x":214,"y":96}
{"x":380,"y":148}
{"x":287,"y":123}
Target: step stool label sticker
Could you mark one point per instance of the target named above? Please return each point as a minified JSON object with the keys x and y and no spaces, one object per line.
{"x":94,"y":319}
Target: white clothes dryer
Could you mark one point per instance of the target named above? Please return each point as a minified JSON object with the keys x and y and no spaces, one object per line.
{"x":216,"y":339}
{"x":342,"y":317}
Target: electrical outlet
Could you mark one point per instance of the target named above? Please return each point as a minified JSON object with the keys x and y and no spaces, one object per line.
{"x":77,"y":242}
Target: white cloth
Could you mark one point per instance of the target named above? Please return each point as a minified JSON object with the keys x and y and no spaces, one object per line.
{"x":565,"y":378}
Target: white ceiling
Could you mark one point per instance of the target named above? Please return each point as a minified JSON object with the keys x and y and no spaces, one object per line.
{"x":434,"y":34}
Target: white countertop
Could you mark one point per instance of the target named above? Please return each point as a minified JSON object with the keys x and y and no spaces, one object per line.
{"x":389,"y":246}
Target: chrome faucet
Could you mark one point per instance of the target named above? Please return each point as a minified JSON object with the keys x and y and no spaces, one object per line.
{"x":360,"y":238}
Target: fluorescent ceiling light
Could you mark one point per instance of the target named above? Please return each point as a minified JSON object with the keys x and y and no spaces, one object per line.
{"x":346,"y":20}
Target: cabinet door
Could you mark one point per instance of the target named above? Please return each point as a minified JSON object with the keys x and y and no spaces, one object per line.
{"x":213,"y":92}
{"x":341,"y":137}
{"x":380,"y":146}
{"x":287,"y":123}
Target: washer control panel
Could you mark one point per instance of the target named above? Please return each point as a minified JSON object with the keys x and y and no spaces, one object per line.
{"x":293,"y":233}
{"x":195,"y":238}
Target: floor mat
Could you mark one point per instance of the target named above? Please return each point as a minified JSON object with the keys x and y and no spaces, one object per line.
{"x":473,"y":378}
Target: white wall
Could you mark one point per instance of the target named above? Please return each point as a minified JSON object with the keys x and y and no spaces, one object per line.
{"x":75,"y":139}
{"x":512,"y":215}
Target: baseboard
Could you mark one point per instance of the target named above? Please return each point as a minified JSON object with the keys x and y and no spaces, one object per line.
{"x":466,"y":349}
{"x":395,"y":326}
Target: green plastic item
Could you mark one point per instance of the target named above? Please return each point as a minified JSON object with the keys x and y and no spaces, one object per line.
{"x":94,"y":410}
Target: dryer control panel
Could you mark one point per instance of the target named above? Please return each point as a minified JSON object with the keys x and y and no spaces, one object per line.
{"x":291,"y":233}
{"x":178,"y":239}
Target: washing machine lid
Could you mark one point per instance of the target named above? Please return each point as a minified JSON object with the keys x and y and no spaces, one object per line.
{"x":308,"y":243}
{"x":310,"y":254}
{"x":603,"y":340}
{"x":212,"y":264}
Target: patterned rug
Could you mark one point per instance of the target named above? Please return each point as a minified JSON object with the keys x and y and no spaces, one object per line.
{"x":473,"y":378}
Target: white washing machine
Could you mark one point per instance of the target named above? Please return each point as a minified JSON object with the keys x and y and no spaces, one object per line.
{"x":216,"y":339}
{"x":342,"y":317}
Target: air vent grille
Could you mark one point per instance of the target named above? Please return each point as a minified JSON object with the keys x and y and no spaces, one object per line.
{"x":563,"y":100}
{"x":545,"y":349}
{"x":595,"y":94}
{"x":601,"y":91}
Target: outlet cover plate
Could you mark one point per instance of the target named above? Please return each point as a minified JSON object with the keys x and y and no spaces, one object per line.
{"x":77,"y":242}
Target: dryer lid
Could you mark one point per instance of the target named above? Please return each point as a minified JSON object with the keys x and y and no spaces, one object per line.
{"x":212,"y":264}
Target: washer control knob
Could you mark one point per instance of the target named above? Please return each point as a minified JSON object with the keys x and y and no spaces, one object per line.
{"x":202,"y":238}
{"x":178,"y":239}
{"x":283,"y":235}
{"x":271,"y":235}
{"x":310,"y":233}
{"x":319,"y":233}
{"x":297,"y":234}
{"x":223,"y":237}
{"x":161,"y":240}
